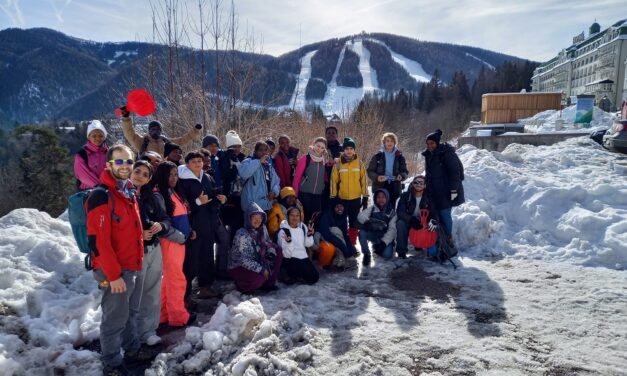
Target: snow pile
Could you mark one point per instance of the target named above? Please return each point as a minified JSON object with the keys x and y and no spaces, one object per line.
{"x":561,"y":202}
{"x":544,"y":122}
{"x":241,"y":340}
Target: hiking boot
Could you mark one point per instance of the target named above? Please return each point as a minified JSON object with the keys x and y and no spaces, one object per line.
{"x":115,"y":371}
{"x":449,"y":241}
{"x":401,"y":254}
{"x":366,"y":260}
{"x":206,"y":293}
{"x":142,"y":355}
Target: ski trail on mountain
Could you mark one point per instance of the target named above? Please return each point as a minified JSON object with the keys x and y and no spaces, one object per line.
{"x":412,"y":67}
{"x":481,"y":61}
{"x":298,"y":99}
{"x":368,"y":74}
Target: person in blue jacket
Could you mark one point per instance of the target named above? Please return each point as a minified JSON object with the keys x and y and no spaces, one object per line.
{"x":261,"y":183}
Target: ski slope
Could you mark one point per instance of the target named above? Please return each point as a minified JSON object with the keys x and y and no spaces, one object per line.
{"x":298,"y":97}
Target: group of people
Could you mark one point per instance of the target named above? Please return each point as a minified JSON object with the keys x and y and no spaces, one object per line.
{"x":165,"y":219}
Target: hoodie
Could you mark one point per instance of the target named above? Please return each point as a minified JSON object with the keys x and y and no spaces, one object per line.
{"x":296,"y":248}
{"x":203,"y":217}
{"x":329,"y":220}
{"x":385,"y":213}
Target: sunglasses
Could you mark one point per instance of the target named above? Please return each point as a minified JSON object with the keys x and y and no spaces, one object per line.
{"x":419,"y":183}
{"x":120,"y":162}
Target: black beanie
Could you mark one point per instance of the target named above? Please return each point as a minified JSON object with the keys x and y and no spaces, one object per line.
{"x":435,"y":136}
{"x":209,"y":140}
{"x":349,"y":142}
{"x":169,"y":147}
{"x":155,"y":123}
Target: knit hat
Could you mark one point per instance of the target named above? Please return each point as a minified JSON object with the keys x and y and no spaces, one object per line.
{"x":170,"y":147}
{"x":287,"y":191}
{"x":232,"y":138}
{"x":435,"y":136}
{"x":96,"y":124}
{"x":155,"y":123}
{"x":349,"y":142}
{"x":210,"y":140}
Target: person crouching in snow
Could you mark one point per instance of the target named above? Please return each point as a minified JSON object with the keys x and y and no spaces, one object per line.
{"x":287,"y":200}
{"x":408,"y":214}
{"x":254,"y":261}
{"x":333,"y":228}
{"x":378,"y":226}
{"x":91,"y":159}
{"x":294,"y":238}
{"x":350,"y":184}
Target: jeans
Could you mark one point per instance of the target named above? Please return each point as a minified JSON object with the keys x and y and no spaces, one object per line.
{"x":447,"y":220}
{"x":375,"y":237}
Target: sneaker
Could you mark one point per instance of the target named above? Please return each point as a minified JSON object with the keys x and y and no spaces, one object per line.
{"x":153,"y":340}
{"x":143,"y":355}
{"x":115,"y":371}
{"x":366,"y":260}
{"x":401,"y":254}
{"x":206,"y":293}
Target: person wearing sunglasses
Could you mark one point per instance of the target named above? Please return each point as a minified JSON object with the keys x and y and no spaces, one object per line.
{"x":408,"y":213}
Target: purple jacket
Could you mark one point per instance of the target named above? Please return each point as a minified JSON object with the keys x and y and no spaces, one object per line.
{"x":89,"y":173}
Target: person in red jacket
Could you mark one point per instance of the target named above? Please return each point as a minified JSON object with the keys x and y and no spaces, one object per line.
{"x":115,"y":238}
{"x":285,"y":161}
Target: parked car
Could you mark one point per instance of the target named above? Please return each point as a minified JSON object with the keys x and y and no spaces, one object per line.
{"x":616,"y":137}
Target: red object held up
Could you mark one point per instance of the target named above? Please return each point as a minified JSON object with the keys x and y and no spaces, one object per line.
{"x":140,"y":102}
{"x":423,"y":238}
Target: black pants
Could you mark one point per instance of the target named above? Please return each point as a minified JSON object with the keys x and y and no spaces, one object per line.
{"x":394,"y":189}
{"x":352,"y":208}
{"x":199,"y":262}
{"x":311,"y":203}
{"x":301,"y":269}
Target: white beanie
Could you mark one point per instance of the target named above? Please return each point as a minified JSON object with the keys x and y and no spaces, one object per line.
{"x":232,"y":138}
{"x":96,"y":124}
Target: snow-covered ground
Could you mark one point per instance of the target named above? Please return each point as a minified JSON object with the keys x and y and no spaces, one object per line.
{"x":540,"y":289}
{"x":412,"y":67}
{"x":544,"y":122}
{"x":490,"y":66}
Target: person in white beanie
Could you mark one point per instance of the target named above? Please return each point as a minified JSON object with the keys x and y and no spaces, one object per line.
{"x":232,"y":215}
{"x":91,"y":159}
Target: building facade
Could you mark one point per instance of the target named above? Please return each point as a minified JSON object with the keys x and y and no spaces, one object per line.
{"x":594,"y":65}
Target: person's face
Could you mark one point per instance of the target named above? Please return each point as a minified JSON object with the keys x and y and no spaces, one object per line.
{"x":175,"y":155}
{"x":121,"y":171}
{"x":339,"y":209}
{"x":381,"y":200}
{"x":331,"y":135}
{"x":206,"y":162}
{"x":319,"y":148}
{"x":96,"y":137}
{"x":236,"y":148}
{"x":173,"y":178}
{"x":389,"y":143}
{"x":293,"y":218}
{"x":155,"y":160}
{"x":290,"y":200}
{"x":419,"y":185}
{"x":271,"y":149}
{"x":154,"y":132}
{"x":261,"y":151}
{"x":213,"y":149}
{"x":256,"y":220}
{"x":284,"y":144}
{"x":431,"y":145}
{"x":195,"y":164}
{"x":140,"y":176}
{"x":349,"y":151}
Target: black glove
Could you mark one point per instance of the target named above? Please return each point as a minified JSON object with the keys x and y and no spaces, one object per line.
{"x":364,"y":203}
{"x":379,"y":247}
{"x":198,"y":126}
{"x":125,"y":112}
{"x":414,"y":223}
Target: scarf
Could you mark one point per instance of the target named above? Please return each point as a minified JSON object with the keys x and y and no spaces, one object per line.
{"x":126,"y":188}
{"x":315,"y":158}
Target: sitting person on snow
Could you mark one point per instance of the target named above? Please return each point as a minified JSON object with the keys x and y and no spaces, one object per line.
{"x":408,"y":214}
{"x":254,"y":260}
{"x":333,"y":228}
{"x":378,"y":226}
{"x":278,"y":213}
{"x":293,"y":238}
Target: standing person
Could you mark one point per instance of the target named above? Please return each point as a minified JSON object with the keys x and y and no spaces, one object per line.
{"x":232,"y":213}
{"x":255,"y":260}
{"x":445,"y":173}
{"x":173,"y":153}
{"x":378,"y":226}
{"x":333,"y":228}
{"x":335,"y":150}
{"x":212,"y":145}
{"x":271,"y":147}
{"x":278,"y":213}
{"x":388,"y":168}
{"x":408,"y":214}
{"x":153,"y":158}
{"x":91,"y":159}
{"x":260,"y":181}
{"x":309,"y":179}
{"x":349,"y":184}
{"x":204,"y":200}
{"x":115,"y":238}
{"x":294,"y":238}
{"x":285,"y":161}
{"x":173,"y":285}
{"x":155,"y":140}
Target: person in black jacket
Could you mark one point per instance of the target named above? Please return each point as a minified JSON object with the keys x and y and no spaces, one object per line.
{"x":388,"y":168}
{"x":445,"y":173}
{"x":408,"y":213}
{"x":333,"y":227}
{"x":232,"y":213}
{"x":204,"y":199}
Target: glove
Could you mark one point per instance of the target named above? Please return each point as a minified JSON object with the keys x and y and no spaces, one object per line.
{"x":364,"y":203}
{"x":198,"y":126}
{"x":433,"y":225}
{"x":453,"y":195}
{"x":414,"y":223}
{"x":125,"y":113}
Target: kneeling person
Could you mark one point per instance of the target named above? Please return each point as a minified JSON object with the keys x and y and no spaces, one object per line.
{"x":294,"y":238}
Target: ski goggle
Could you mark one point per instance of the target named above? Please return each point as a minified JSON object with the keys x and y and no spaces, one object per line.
{"x":120,"y":162}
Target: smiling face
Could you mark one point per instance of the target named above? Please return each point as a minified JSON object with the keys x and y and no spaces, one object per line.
{"x":261,"y":151}
{"x":256,"y":220}
{"x":349,"y":151}
{"x":431,"y":145}
{"x":419,"y":185}
{"x":140,"y":176}
{"x":339,"y":209}
{"x":96,"y":137}
{"x":122,"y":171}
{"x":331,"y":135}
{"x":195,"y":165}
{"x":175,"y":155}
{"x":389,"y":144}
{"x":380,"y":199}
{"x":319,"y":148}
{"x":284,"y":144}
{"x":293,"y":218}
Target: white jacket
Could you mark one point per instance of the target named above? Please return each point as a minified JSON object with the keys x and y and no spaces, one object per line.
{"x":296,"y":247}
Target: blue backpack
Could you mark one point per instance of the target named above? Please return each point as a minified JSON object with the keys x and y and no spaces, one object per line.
{"x":77,"y":214}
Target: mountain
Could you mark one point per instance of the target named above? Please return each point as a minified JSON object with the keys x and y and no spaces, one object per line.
{"x":46,"y":74}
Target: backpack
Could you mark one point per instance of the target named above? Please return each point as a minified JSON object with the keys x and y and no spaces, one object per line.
{"x":423,"y":238}
{"x":444,"y":250}
{"x":77,"y":215}
{"x":83,"y":154}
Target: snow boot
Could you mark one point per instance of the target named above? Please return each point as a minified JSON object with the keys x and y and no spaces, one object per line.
{"x":120,"y":370}
{"x":353,"y":233}
{"x":366,"y":260}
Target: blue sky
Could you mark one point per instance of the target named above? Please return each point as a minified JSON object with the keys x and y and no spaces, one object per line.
{"x":533,"y":29}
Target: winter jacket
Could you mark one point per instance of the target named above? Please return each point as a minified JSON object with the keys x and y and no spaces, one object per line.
{"x":386,"y":213}
{"x":178,"y":224}
{"x":278,"y":213}
{"x":328,"y":220}
{"x":348,"y":179}
{"x":247,"y":251}
{"x":335,"y":148}
{"x":151,"y":210}
{"x":137,"y":141}
{"x":216,"y":171}
{"x":255,"y":187}
{"x":115,"y":240}
{"x":445,"y":173}
{"x":229,"y":167}
{"x":309,"y":177}
{"x":283,"y":168}
{"x":88,"y":172}
{"x":296,"y":248}
{"x":376,"y":167}
{"x":407,"y":205}
{"x":203,"y":217}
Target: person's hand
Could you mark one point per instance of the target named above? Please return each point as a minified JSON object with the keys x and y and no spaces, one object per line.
{"x":310,"y":229}
{"x":336,"y":160}
{"x":266,"y":274}
{"x":287,"y":238}
{"x":291,"y":161}
{"x":221,"y":198}
{"x":147,"y":234}
{"x":264,"y":159}
{"x":453,"y":195}
{"x":381,"y":178}
{"x":156,"y":228}
{"x":364,"y":202}
{"x":198,"y":126}
{"x":399,"y":178}
{"x":192,"y":236}
{"x":125,"y":113}
{"x":118,"y":286}
{"x":271,"y":196}
{"x":203,"y":198}
{"x":433,"y":225}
